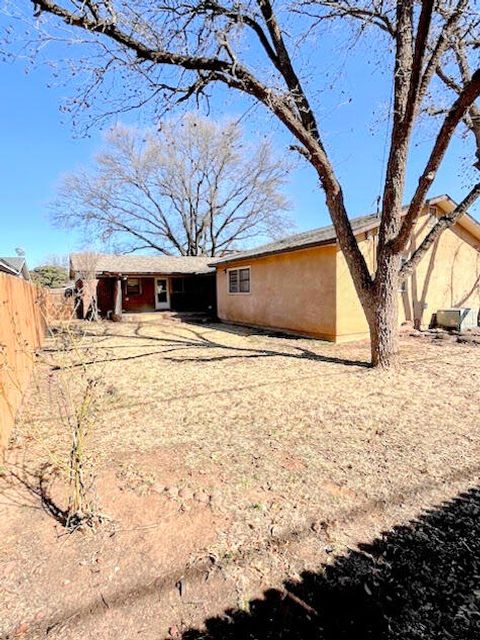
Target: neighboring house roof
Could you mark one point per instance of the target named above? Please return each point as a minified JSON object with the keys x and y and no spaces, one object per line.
{"x":326,"y":235}
{"x":16,"y":266}
{"x":104,"y":264}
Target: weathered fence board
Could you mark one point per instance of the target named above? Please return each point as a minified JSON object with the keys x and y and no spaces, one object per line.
{"x":55,"y":306}
{"x":22,"y":330}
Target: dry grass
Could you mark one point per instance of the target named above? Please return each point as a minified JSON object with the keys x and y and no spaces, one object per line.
{"x":292,"y":446}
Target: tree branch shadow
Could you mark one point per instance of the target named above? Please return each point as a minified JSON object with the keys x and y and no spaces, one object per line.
{"x":37,"y":485}
{"x":174,"y":342}
{"x":416,"y":582}
{"x":419,"y":581}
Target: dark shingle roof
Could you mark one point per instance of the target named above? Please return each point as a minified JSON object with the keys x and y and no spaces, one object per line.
{"x":6,"y":268}
{"x":323,"y":235}
{"x":14,"y":265}
{"x":131,"y":264}
{"x":327,"y":235}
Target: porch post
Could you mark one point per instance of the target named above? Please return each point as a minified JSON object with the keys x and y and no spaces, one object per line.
{"x":117,"y":299}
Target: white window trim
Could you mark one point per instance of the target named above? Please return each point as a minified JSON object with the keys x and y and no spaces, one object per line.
{"x":239,"y":293}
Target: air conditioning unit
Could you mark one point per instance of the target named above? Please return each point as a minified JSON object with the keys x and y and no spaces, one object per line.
{"x":459,"y":318}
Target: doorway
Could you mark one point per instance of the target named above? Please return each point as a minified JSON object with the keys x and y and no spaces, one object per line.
{"x":162,"y":294}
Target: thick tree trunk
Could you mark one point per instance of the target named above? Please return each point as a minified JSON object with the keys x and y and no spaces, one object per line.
{"x":382,"y":316}
{"x":117,"y":300}
{"x":384,"y":335}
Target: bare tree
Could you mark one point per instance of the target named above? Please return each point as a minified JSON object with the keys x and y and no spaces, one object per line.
{"x":86,"y":285}
{"x":194,"y":188}
{"x":179,"y":50}
{"x":455,"y":50}
{"x":456,"y":72}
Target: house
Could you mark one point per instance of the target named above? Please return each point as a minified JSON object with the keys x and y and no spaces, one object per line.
{"x":134,"y":283}
{"x":16,"y":266}
{"x":302,"y":283}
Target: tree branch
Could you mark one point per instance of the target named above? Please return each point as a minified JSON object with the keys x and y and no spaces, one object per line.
{"x":467,"y":97}
{"x":239,"y":17}
{"x":344,"y":9}
{"x":399,"y":139}
{"x":442,"y":223}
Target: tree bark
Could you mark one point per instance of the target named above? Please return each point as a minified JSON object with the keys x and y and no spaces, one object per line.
{"x":382,"y":315}
{"x":117,"y":300}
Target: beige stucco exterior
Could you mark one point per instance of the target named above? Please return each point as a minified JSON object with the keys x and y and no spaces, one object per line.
{"x":292,"y":291}
{"x":448,"y":276}
{"x":310,"y":291}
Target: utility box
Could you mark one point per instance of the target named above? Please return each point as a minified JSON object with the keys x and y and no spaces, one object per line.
{"x":458,"y":318}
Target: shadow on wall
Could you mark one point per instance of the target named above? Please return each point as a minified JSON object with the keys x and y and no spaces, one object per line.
{"x":414,"y":308}
{"x":462,"y":300}
{"x":420,"y":581}
{"x":455,"y":292}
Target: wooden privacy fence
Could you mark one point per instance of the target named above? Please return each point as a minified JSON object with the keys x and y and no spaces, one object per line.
{"x":22,"y":330}
{"x":55,"y":306}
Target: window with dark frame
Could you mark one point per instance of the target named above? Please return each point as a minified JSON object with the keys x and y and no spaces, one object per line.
{"x":233,"y":281}
{"x":244,"y":280}
{"x":239,"y":280}
{"x":134,"y":287}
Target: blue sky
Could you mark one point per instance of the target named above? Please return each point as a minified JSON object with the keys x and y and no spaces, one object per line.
{"x":39,"y":144}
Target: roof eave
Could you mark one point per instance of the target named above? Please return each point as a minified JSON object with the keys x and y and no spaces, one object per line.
{"x":149,"y":274}
{"x":265,"y":254}
{"x":8,"y":268}
{"x":466,"y":220}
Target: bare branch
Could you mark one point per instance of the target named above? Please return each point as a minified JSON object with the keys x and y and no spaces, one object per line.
{"x":166,"y":190}
{"x":444,"y":222}
{"x":338,"y":9}
{"x":467,"y":97}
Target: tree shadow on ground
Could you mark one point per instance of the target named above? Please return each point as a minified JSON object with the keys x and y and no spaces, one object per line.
{"x":415,"y":582}
{"x":17,"y":484}
{"x":175,"y":342}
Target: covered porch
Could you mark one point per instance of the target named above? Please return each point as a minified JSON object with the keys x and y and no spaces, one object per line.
{"x":132,"y":293}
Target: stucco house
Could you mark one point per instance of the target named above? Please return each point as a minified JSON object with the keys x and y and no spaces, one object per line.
{"x":302,"y":283}
{"x":132,"y":283}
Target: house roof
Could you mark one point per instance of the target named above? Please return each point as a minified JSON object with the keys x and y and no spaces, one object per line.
{"x":15,"y":265}
{"x":104,"y":264}
{"x":327,"y":236}
{"x":321,"y":236}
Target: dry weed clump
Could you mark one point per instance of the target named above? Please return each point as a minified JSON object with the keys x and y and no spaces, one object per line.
{"x":62,"y":431}
{"x":77,"y":394}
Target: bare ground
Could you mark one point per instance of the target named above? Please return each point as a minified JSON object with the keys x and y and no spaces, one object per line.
{"x":227,"y":461}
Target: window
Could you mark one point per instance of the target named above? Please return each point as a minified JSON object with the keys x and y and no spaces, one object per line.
{"x":134,"y":287}
{"x":239,"y":280}
{"x":233,"y":281}
{"x":244,"y":277}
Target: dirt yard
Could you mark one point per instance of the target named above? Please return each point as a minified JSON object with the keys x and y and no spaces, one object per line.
{"x":228,"y":461}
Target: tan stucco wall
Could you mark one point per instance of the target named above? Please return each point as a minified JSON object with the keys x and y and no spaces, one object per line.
{"x":448,"y":276}
{"x":291,"y":291}
{"x":311,"y":291}
{"x":351,"y":321}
